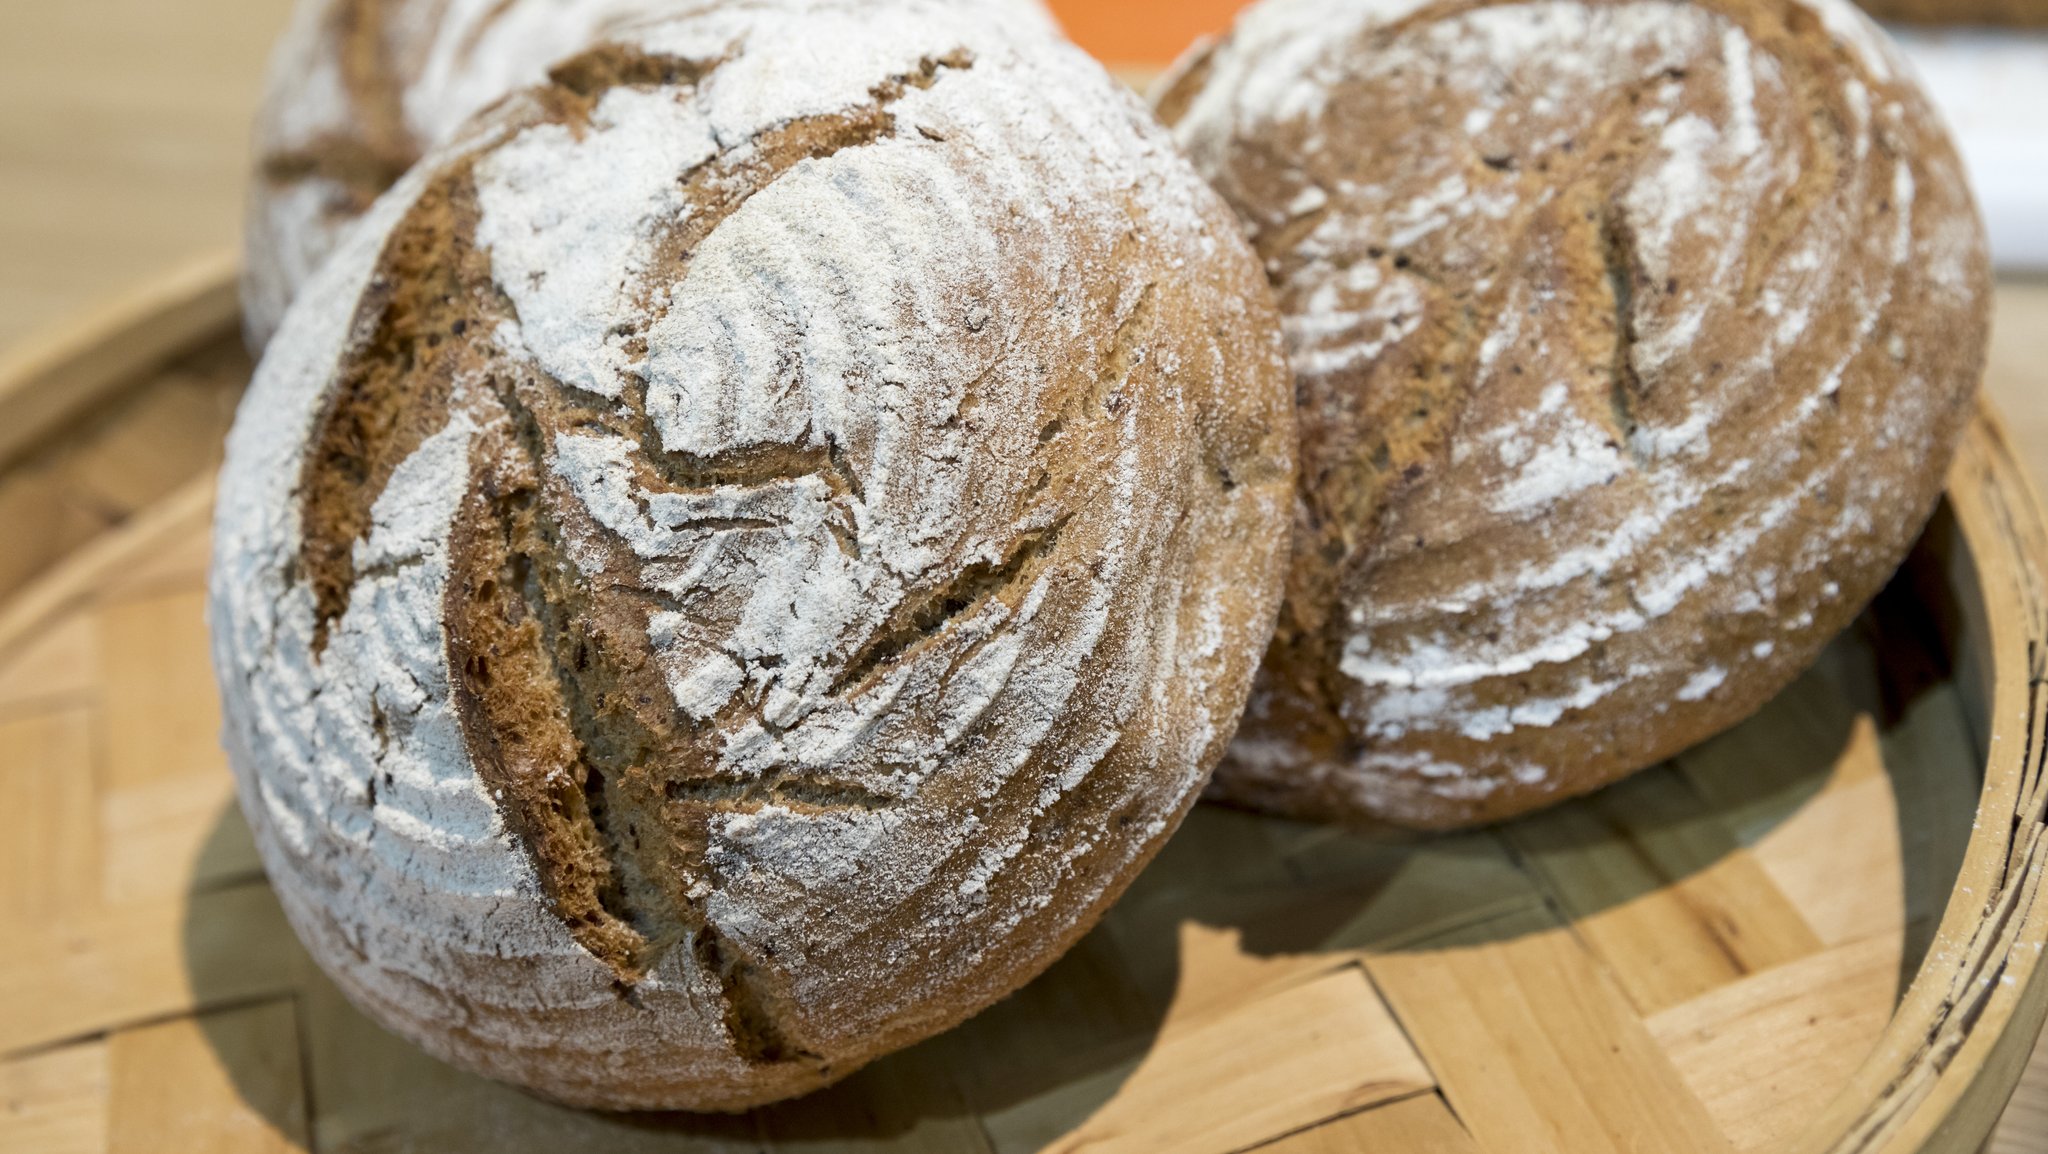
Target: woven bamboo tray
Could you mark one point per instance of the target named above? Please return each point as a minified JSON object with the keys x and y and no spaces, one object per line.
{"x":1821,"y":932}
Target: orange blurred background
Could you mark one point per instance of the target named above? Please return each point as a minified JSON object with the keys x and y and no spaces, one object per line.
{"x":1142,"y":33}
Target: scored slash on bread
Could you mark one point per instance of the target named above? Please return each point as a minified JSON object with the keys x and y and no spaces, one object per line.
{"x":742,"y":556}
{"x":359,"y":90}
{"x":1632,"y":341}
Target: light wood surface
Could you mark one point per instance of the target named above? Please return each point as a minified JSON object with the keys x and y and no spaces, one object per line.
{"x":124,"y":129}
{"x":2017,"y":380}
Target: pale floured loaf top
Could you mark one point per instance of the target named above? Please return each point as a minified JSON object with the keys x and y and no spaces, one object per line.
{"x":359,"y":89}
{"x":742,"y":556}
{"x":1632,"y":341}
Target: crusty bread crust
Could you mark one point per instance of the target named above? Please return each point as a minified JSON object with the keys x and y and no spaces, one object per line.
{"x":358,"y":90}
{"x":1632,"y":341}
{"x":744,"y":554}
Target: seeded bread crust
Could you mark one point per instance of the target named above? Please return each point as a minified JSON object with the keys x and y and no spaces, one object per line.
{"x":743,"y":555}
{"x":358,"y":90}
{"x":1632,"y":341}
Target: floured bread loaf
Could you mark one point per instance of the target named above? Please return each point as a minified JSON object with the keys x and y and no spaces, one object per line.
{"x":744,"y":554}
{"x":359,"y":89}
{"x":1632,"y":341}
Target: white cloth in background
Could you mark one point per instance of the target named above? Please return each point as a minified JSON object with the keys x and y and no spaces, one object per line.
{"x":1992,"y":85}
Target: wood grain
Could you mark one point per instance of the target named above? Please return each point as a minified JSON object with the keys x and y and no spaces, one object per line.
{"x":123,"y":144}
{"x":226,"y":1082}
{"x":1764,"y":1053}
{"x":1536,"y":1049}
{"x":46,"y":769}
{"x":159,"y":716}
{"x":100,"y":968}
{"x":1418,"y":1125}
{"x":55,"y":1102}
{"x":1293,"y":1058}
{"x":2024,"y":1128}
{"x":2019,"y":350}
{"x":129,"y":447}
{"x":59,"y":664}
{"x":1660,"y":890}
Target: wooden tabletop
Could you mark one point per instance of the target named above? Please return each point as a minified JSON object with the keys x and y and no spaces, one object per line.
{"x":123,"y":127}
{"x":124,"y":130}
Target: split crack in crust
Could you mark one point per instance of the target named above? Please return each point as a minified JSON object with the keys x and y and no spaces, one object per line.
{"x":786,"y":646}
{"x":568,"y":717}
{"x":1467,"y":635}
{"x":359,"y":90}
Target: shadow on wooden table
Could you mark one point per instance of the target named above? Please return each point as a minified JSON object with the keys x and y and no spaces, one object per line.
{"x":1322,"y":971}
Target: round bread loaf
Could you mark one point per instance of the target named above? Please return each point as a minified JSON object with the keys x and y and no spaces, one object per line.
{"x":1632,"y":341}
{"x":743,"y":555}
{"x":359,"y":89}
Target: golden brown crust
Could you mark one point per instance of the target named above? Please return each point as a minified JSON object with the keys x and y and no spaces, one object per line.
{"x":1631,"y":340}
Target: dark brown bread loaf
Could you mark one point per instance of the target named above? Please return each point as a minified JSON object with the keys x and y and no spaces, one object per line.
{"x":1631,"y":340}
{"x":741,"y":558}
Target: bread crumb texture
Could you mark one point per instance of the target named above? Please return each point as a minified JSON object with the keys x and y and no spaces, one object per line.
{"x":744,"y":553}
{"x":1632,"y":341}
